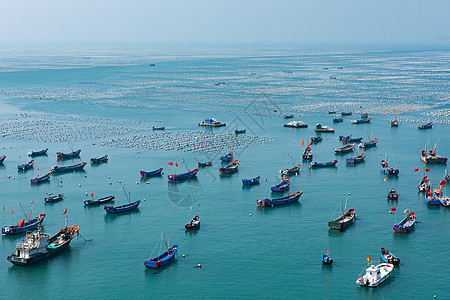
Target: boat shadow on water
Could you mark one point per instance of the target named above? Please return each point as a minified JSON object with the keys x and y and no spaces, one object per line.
{"x":159,"y":176}
{"x":152,"y":272}
{"x":110,"y":218}
{"x":266,"y":210}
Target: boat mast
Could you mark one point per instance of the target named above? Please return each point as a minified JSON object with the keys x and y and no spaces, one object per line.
{"x":31,"y":211}
{"x":26,"y":217}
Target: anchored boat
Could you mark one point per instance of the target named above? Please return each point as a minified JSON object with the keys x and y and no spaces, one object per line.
{"x":320,"y":128}
{"x":99,"y":201}
{"x":369,"y":144}
{"x":99,"y":160}
{"x":308,"y":153}
{"x":251,"y":181}
{"x":426,"y":126}
{"x":41,"y":179}
{"x":346,"y":149}
{"x":211,"y":123}
{"x":26,"y":166}
{"x":375,"y":275}
{"x":185,"y":176}
{"x":151,"y":173}
{"x":29,"y":225}
{"x":324,"y":165}
{"x":55,"y":198}
{"x":407,"y":224}
{"x":279,"y":201}
{"x":72,"y":154}
{"x":228,"y":157}
{"x":231,"y":168}
{"x":356,"y":159}
{"x":77,"y":167}
{"x":164,"y":258}
{"x":345,"y":220}
{"x":123,"y":208}
{"x":193,"y":224}
{"x":37,"y":153}
{"x":291,"y":171}
{"x":393,"y":195}
{"x":2,"y":158}
{"x":282,"y":187}
{"x":389,"y":257}
{"x":424,"y":184}
{"x":296,"y":124}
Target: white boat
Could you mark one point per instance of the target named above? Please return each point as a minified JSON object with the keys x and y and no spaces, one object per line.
{"x":443,"y":198}
{"x":375,"y":275}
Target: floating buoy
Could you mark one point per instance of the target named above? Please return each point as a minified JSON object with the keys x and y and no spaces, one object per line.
{"x":13,"y":178}
{"x":184,"y":256}
{"x":110,"y":183}
{"x":120,"y":181}
{"x":85,"y":194}
{"x":79,"y":185}
{"x":191,"y":207}
{"x":198,"y":204}
{"x":249,"y":215}
{"x":199,"y":266}
{"x":147,"y":182}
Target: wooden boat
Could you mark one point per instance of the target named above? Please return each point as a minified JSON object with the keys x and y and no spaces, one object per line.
{"x":393,"y":195}
{"x":375,"y":275}
{"x":240,"y":131}
{"x":204,"y":164}
{"x":72,"y":154}
{"x":193,"y":224}
{"x":394,"y":123}
{"x":99,"y":160}
{"x":338,"y":120}
{"x":2,"y":158}
{"x":350,"y":139}
{"x":356,"y":159}
{"x":39,"y":246}
{"x":282,"y":187}
{"x":431,"y":157}
{"x":37,"y":153}
{"x":346,"y":149}
{"x":231,"y":168}
{"x":296,"y":124}
{"x":317,"y":139}
{"x":388,"y":170}
{"x":251,"y":181}
{"x":279,"y":201}
{"x":185,"y":176}
{"x":371,"y":143}
{"x":58,"y":169}
{"x":424,"y":184}
{"x":346,"y":113}
{"x":98,"y":201}
{"x":41,"y":179}
{"x":324,"y":165}
{"x":122,"y":208}
{"x":344,"y":221}
{"x":407,"y":224}
{"x":288,"y":116}
{"x":331,"y":112}
{"x":430,"y":198}
{"x":211,"y":123}
{"x":361,"y":121}
{"x":291,"y":171}
{"x":163,"y":259}
{"x":228,"y":157}
{"x":26,"y":166}
{"x":151,"y":173}
{"x":158,"y":128}
{"x":326,"y":259}
{"x":443,"y":199}
{"x":364,"y":115}
{"x":389,"y":257}
{"x":320,"y":128}
{"x":29,"y":225}
{"x":307,"y":154}
{"x":55,"y":198}
{"x":426,"y":126}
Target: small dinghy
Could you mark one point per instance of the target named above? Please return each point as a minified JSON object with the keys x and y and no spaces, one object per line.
{"x":27,"y":166}
{"x":375,"y":275}
{"x":251,"y":181}
{"x":291,"y":171}
{"x":426,"y":126}
{"x":279,"y":201}
{"x":308,"y":153}
{"x":443,"y":198}
{"x":99,"y":160}
{"x":164,"y":258}
{"x":55,"y":198}
{"x":356,"y":159}
{"x":240,"y":131}
{"x":394,"y":123}
{"x":346,"y":149}
{"x":193,"y":224}
{"x":346,"y":113}
{"x":389,"y":257}
{"x":324,"y":165}
{"x":393,"y":195}
{"x":424,"y":184}
{"x":158,"y":128}
{"x":98,"y":201}
{"x":326,"y":259}
{"x":282,"y":187}
{"x":41,"y":179}
{"x":361,"y":121}
{"x":317,"y":139}
{"x":72,"y":154}
{"x":204,"y":164}
{"x":388,"y":170}
{"x":288,"y":116}
{"x":369,"y":144}
{"x":2,"y":159}
{"x":407,"y":224}
{"x":430,"y":198}
{"x":151,"y":173}
{"x":37,"y":153}
{"x":228,"y":157}
{"x":338,"y":120}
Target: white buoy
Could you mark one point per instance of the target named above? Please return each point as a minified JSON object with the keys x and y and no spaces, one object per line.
{"x":137,"y":182}
{"x":198,"y":204}
{"x":191,"y":207}
{"x":110,"y":183}
{"x":147,"y":182}
{"x":249,"y":215}
{"x":85,"y":194}
{"x":13,"y":178}
{"x":184,"y":256}
{"x":199,"y":266}
{"x":79,"y":185}
{"x":120,"y":181}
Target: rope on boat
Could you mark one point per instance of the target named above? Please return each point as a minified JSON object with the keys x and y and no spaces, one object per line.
{"x":79,"y":234}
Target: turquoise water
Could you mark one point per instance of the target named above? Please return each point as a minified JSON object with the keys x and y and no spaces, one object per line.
{"x":245,"y":251}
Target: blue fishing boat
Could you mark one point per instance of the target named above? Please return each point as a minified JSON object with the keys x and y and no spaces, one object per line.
{"x":231,"y":168}
{"x":308,"y":153}
{"x":346,"y":149}
{"x":426,"y":126}
{"x":356,"y":159}
{"x":122,"y":208}
{"x":407,"y":224}
{"x":288,"y":116}
{"x":324,"y":165}
{"x":240,"y":131}
{"x":279,"y":201}
{"x":430,"y":198}
{"x":2,"y":158}
{"x":163,"y":259}
{"x":37,"y":153}
{"x":159,"y":128}
{"x":228,"y":157}
{"x":211,"y":123}
{"x":388,"y":170}
{"x":291,"y":171}
{"x":26,"y":166}
{"x":331,"y":112}
{"x":393,"y":195}
{"x":338,"y":120}
{"x":326,"y":259}
{"x":185,"y":176}
{"x":151,"y":173}
{"x":41,"y":179}
{"x":317,"y":139}
{"x":371,"y":143}
{"x":99,"y":160}
{"x":282,"y":187}
{"x":98,"y":201}
{"x":55,"y":198}
{"x":251,"y":181}
{"x":72,"y":154}
{"x":29,"y":225}
{"x":77,"y":167}
{"x":350,"y":139}
{"x":361,"y":121}
{"x":389,"y":257}
{"x":204,"y":164}
{"x":346,"y":113}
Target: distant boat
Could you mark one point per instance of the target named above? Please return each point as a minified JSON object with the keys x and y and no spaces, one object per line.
{"x":99,"y":201}
{"x":375,"y":275}
{"x":72,"y":154}
{"x":388,"y":170}
{"x":393,"y":195}
{"x":231,"y":168}
{"x":193,"y":224}
{"x":426,"y":126}
{"x":251,"y":181}
{"x":320,"y":128}
{"x":331,"y":112}
{"x":184,"y":176}
{"x":389,"y":257}
{"x":291,"y":171}
{"x":431,"y":157}
{"x":296,"y":124}
{"x":369,"y":144}
{"x":407,"y":224}
{"x":279,"y":201}
{"x":55,"y":198}
{"x":441,"y":196}
{"x":350,"y":139}
{"x":158,"y":128}
{"x":29,"y":225}
{"x":324,"y":165}
{"x":204,"y":164}
{"x":356,"y":159}
{"x":345,"y":220}
{"x":346,"y":149}
{"x":240,"y":131}
{"x":26,"y":166}
{"x":162,"y":259}
{"x":228,"y":157}
{"x":151,"y":173}
{"x":394,"y":123}
{"x":41,"y":179}
{"x":430,"y":198}
{"x":360,"y":121}
{"x":326,"y":259}
{"x":424,"y":184}
{"x":346,"y":113}
{"x":338,"y":120}
{"x":99,"y":160}
{"x":211,"y":123}
{"x":282,"y":187}
{"x":308,"y":153}
{"x":58,"y":169}
{"x":317,"y":139}
{"x":122,"y":208}
{"x":37,"y":153}
{"x":288,"y":116}
{"x":2,"y":158}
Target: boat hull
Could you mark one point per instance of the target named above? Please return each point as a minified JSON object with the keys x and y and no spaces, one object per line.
{"x":121,"y":209}
{"x":163,"y":259}
{"x":280,"y":201}
{"x":28,"y":226}
{"x":151,"y":173}
{"x":185,"y":176}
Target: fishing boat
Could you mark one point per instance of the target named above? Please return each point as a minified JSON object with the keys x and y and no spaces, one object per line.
{"x":99,"y":160}
{"x":389,"y":257}
{"x":72,"y":154}
{"x":2,"y":158}
{"x":338,"y":120}
{"x":228,"y":157}
{"x":231,"y":168}
{"x":424,"y":184}
{"x":204,"y":164}
{"x":331,"y":112}
{"x":430,"y":198}
{"x":158,"y":128}
{"x":77,"y":167}
{"x":151,"y":173}
{"x":431,"y":157}
{"x":193,"y":224}
{"x":426,"y":126}
{"x":394,"y":123}
{"x":240,"y":131}
{"x":99,"y":201}
{"x":443,"y":198}
{"x":393,"y":195}
{"x":317,"y":139}
{"x":162,"y":259}
{"x":361,"y":121}
{"x":296,"y":124}
{"x":184,"y":176}
{"x":375,"y":275}
{"x":37,"y":153}
{"x":308,"y":153}
{"x":41,"y":179}
{"x":324,"y":165}
{"x":346,"y":113}
{"x":356,"y":159}
{"x":407,"y":224}
{"x":326,"y":259}
{"x":288,"y":116}
{"x":282,"y":187}
{"x":369,"y":144}
{"x":38,"y":246}
{"x":26,"y":166}
{"x":55,"y":198}
{"x":446,"y":176}
{"x":388,"y":170}
{"x":345,"y":220}
{"x":346,"y":149}
{"x":122,"y":208}
{"x":291,"y":171}
{"x":350,"y":139}
{"x":251,"y":181}
{"x":279,"y":201}
{"x":364,"y":115}
{"x":29,"y":225}
{"x":320,"y":128}
{"x":211,"y":123}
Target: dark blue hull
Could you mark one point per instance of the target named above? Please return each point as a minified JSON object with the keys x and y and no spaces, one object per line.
{"x":121,"y":209}
{"x":2,"y":159}
{"x":99,"y":160}
{"x":152,"y":173}
{"x":280,"y":201}
{"x":324,"y":165}
{"x":73,"y":154}
{"x":37,"y":153}
{"x":27,"y":226}
{"x":41,"y":179}
{"x":163,"y":259}
{"x":57,"y":169}
{"x":185,"y":176}
{"x":251,"y":181}
{"x":99,"y":201}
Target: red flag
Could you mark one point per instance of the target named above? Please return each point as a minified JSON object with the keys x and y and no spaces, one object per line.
{"x":416,"y":169}
{"x":427,"y":170}
{"x":92,"y":194}
{"x":170,"y":163}
{"x":360,"y":106}
{"x":309,"y":144}
{"x":393,"y":208}
{"x":302,"y":142}
{"x":20,"y":224}
{"x":442,"y":182}
{"x":3,"y":207}
{"x":12,"y":211}
{"x":65,"y":211}
{"x":176,"y":164}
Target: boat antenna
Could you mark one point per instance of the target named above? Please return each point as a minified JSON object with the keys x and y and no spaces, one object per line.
{"x":31,"y":210}
{"x":26,"y":217}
